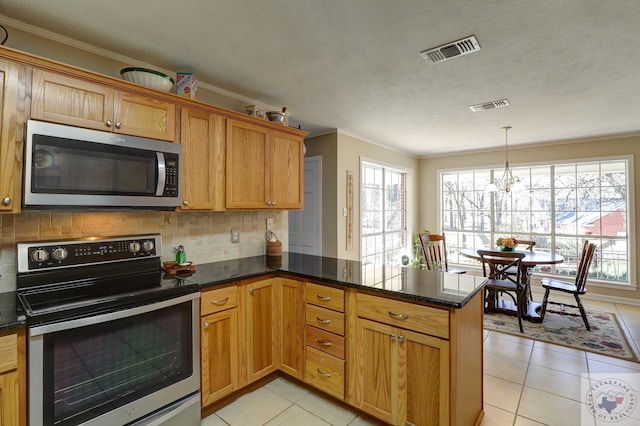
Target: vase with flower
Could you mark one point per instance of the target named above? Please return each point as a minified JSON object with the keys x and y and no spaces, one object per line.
{"x":507,"y":243}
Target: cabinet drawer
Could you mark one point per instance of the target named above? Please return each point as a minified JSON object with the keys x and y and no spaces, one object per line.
{"x":8,"y":352}
{"x":325,"y":296}
{"x":325,"y":372}
{"x":218,"y":300}
{"x":325,"y":319}
{"x":325,"y":341}
{"x":423,"y":319}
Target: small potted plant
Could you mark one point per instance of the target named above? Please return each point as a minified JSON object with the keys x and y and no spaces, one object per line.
{"x":507,"y":243}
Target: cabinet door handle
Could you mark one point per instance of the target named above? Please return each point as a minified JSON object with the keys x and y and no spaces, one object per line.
{"x":6,"y":201}
{"x":323,"y":321}
{"x":322,"y":373}
{"x":324,"y":298}
{"x":118,"y":125}
{"x":250,"y":291}
{"x":205,"y":325}
{"x":109,"y":123}
{"x":324,"y":343}
{"x":398,"y":316}
{"x":400,"y":338}
{"x":392,"y":337}
{"x":220,"y":301}
{"x":185,"y":203}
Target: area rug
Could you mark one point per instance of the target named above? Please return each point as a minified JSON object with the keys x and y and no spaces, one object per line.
{"x":605,"y":337}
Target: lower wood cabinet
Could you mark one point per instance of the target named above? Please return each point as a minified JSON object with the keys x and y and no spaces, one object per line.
{"x":220,"y":351}
{"x":259,"y":304}
{"x":12,"y":388}
{"x":325,"y":372}
{"x":401,"y":362}
{"x":403,"y":375}
{"x":290,"y":327}
{"x":416,"y":364}
{"x":220,"y":355}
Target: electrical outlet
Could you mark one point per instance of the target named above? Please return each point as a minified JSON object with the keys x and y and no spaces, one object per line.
{"x":235,"y":236}
{"x":269,"y":224}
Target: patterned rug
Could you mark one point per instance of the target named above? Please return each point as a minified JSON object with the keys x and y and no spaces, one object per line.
{"x":605,"y":337}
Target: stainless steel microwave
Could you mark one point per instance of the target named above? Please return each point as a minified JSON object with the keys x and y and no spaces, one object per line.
{"x":71,"y":167}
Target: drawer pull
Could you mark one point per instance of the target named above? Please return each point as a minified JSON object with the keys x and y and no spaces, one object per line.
{"x":324,"y":343}
{"x":398,"y":316}
{"x":322,"y":373}
{"x":220,"y":301}
{"x":323,"y":321}
{"x":323,"y":298}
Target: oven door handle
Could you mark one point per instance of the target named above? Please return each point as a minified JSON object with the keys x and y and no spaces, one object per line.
{"x":97,"y":319}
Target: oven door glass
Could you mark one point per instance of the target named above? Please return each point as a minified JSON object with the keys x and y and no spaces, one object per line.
{"x":94,"y":369}
{"x":65,"y":166}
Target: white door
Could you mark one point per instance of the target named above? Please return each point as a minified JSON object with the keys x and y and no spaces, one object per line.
{"x":305,"y":227}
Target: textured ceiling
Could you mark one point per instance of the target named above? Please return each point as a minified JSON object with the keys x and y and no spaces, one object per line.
{"x":570,"y":68}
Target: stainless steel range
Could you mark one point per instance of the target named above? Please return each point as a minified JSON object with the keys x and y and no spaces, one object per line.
{"x":111,"y":341}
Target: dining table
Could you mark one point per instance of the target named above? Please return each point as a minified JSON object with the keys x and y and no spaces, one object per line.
{"x":531,"y":309}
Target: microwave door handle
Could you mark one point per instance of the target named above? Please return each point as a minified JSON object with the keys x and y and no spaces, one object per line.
{"x":162,"y":174}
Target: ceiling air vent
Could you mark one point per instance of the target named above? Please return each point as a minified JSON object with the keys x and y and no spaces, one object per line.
{"x":451,"y":50}
{"x":489,"y":105}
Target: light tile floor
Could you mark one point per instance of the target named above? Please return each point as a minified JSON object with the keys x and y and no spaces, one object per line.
{"x":526,"y":383}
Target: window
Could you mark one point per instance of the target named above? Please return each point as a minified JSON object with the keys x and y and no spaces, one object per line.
{"x":562,"y":205}
{"x":383,"y":214}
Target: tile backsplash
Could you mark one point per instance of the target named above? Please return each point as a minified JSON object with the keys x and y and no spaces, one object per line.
{"x":205,"y":236}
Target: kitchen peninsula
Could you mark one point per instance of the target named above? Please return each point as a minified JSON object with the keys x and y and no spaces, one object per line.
{"x":400,"y":344}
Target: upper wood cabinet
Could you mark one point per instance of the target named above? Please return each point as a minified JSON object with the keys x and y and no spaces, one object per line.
{"x":68,"y":100}
{"x":202,"y":137}
{"x":10,"y":138}
{"x":264,"y":168}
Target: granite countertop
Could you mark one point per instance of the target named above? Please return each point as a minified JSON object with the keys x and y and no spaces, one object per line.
{"x":11,"y":315}
{"x":434,"y":287}
{"x":448,"y":290}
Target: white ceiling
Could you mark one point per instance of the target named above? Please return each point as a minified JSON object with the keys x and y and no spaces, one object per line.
{"x":569,"y":68}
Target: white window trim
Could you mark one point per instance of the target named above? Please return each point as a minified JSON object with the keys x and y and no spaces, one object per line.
{"x":408,"y":198}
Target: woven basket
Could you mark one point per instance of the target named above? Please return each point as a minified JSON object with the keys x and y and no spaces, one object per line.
{"x":274,"y":248}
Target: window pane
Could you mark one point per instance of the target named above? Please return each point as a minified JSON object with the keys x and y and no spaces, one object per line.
{"x":562,"y":205}
{"x":383,"y":215}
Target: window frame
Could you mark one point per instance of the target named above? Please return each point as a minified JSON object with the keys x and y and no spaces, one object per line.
{"x":407,"y":201}
{"x":630,"y":284}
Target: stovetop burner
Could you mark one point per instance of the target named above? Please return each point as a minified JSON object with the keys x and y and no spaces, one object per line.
{"x":64,"y":279}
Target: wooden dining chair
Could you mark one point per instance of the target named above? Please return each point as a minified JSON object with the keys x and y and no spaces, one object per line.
{"x":577,"y":288}
{"x":434,"y":250}
{"x":494,"y":266}
{"x":527,"y":245}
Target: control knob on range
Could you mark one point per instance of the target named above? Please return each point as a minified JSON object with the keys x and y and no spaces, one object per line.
{"x":40,"y":255}
{"x":148,"y":246}
{"x":60,"y":253}
{"x":134,"y":247}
